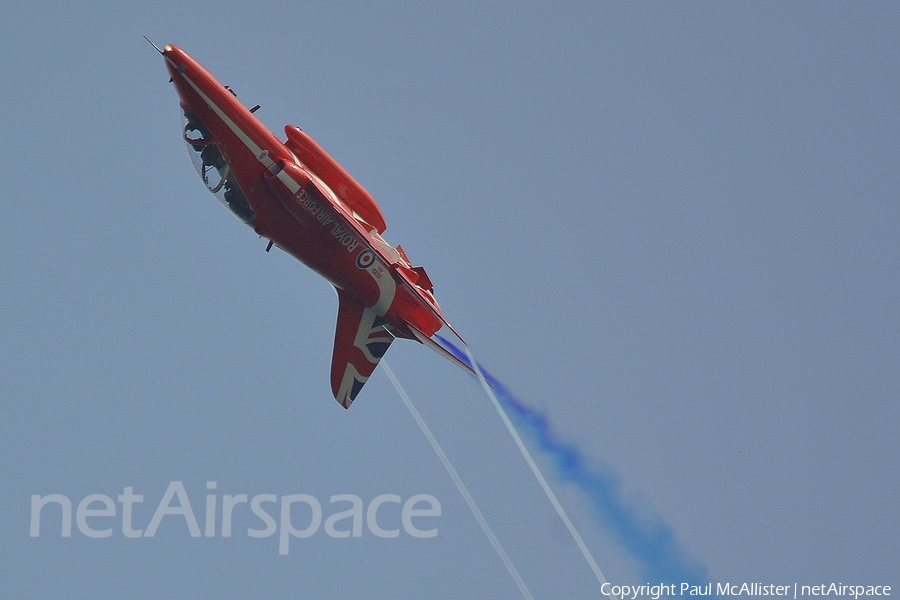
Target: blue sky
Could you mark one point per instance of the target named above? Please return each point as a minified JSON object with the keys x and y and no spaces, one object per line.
{"x":670,"y":228}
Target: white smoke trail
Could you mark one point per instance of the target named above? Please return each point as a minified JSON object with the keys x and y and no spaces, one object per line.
{"x":648,"y":540}
{"x":537,"y":472}
{"x":476,"y":512}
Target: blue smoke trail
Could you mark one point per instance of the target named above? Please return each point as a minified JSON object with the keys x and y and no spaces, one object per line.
{"x":649,"y":541}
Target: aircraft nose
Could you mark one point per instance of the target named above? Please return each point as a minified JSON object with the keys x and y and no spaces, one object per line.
{"x":177,"y":59}
{"x":174,"y":54}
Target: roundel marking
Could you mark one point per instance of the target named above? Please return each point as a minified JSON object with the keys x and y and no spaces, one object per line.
{"x":365,"y":259}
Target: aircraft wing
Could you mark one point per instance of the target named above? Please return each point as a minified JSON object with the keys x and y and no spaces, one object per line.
{"x":445,"y":348}
{"x":359,"y":343}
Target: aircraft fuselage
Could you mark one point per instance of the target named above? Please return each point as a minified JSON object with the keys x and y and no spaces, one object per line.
{"x":293,"y":193}
{"x":293,"y":207}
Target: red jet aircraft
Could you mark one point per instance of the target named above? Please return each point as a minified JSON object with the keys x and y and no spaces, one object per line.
{"x":303,"y":201}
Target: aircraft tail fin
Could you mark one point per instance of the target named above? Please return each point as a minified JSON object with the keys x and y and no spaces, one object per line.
{"x":360,"y":341}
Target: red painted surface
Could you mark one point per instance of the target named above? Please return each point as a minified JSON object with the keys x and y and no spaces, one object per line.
{"x":300,"y":198}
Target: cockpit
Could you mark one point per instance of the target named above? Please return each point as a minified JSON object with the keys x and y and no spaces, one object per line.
{"x":213,"y":169}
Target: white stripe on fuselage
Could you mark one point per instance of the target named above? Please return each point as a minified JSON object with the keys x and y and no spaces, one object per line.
{"x":263,"y":157}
